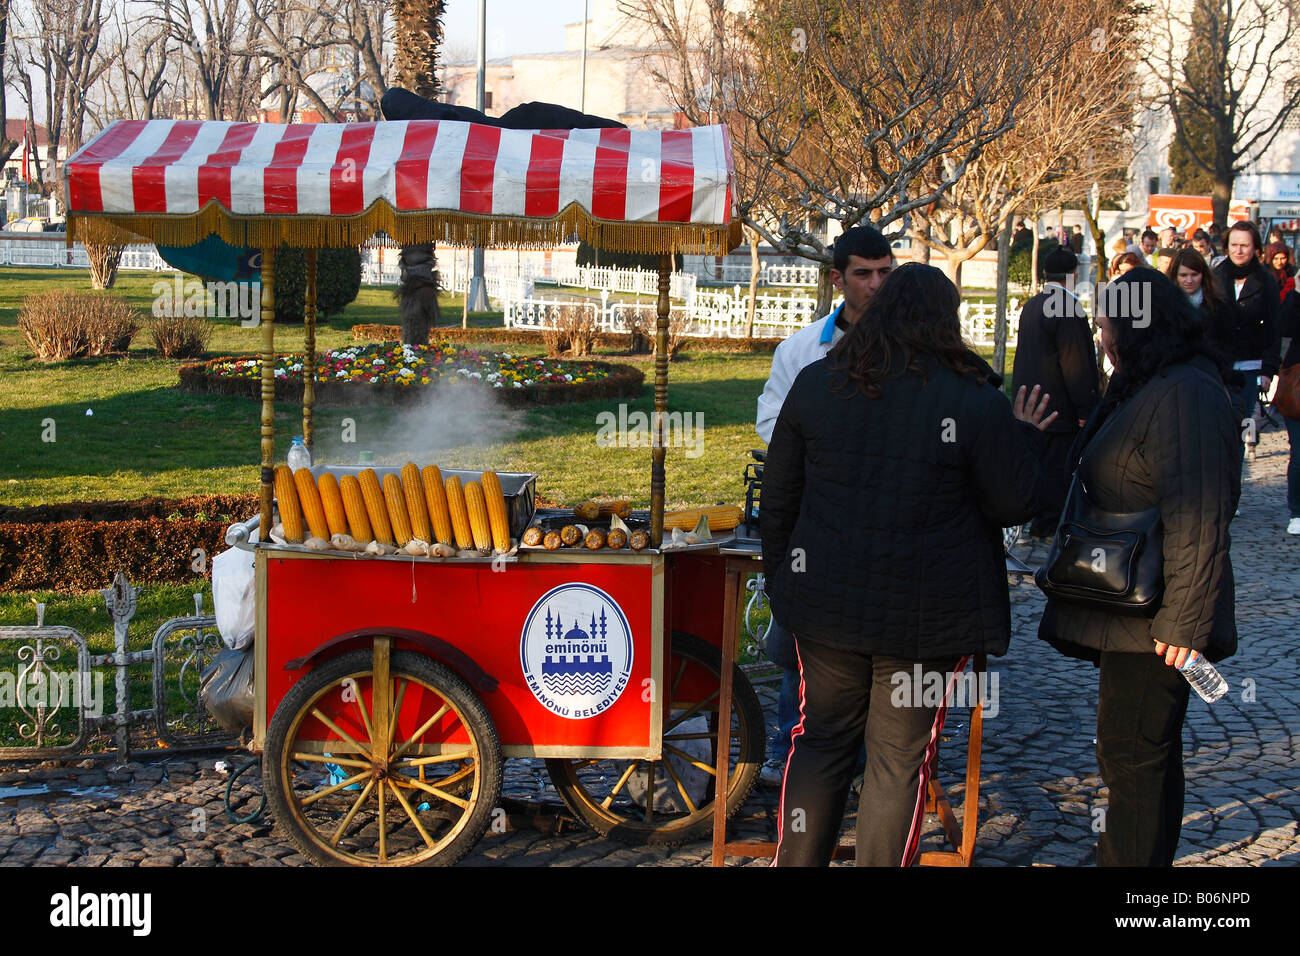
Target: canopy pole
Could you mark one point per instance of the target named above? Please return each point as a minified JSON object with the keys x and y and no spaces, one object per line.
{"x":661,"y":405}
{"x":268,"y":390}
{"x":309,"y":363}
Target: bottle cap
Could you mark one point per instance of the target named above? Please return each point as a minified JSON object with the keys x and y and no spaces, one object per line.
{"x":297,"y":440}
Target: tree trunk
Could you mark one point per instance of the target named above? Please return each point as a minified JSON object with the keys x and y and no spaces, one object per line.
{"x":1000,"y":316}
{"x":418,"y":293}
{"x":825,"y":291}
{"x":1098,"y":240}
{"x":1221,"y":197}
{"x":753,"y":283}
{"x":1033,"y":259}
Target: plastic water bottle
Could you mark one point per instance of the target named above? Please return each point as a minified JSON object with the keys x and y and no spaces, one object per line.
{"x":299,"y":456}
{"x":1204,"y":678}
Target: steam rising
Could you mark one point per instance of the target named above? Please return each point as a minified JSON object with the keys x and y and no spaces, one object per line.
{"x":455,"y":416}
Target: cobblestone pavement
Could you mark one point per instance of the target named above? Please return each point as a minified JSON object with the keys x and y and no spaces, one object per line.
{"x":1039,"y":797}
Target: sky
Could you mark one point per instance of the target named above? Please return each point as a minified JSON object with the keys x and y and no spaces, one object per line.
{"x":513,"y":26}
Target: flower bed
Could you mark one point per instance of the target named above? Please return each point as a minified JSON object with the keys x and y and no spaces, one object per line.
{"x":391,"y":373}
{"x":604,"y":340}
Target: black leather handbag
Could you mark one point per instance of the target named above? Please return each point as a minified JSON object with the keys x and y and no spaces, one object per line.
{"x":1105,"y":560}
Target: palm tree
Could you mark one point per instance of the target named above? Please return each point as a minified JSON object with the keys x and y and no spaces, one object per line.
{"x":417,"y":35}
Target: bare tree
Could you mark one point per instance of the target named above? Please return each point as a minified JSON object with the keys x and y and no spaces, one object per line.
{"x":140,"y":68}
{"x":1070,"y":132}
{"x":7,"y":145}
{"x":1230,"y":68}
{"x":842,"y":108}
{"x":219,"y":42}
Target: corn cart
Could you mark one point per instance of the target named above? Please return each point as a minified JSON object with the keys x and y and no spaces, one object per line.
{"x":390,"y":687}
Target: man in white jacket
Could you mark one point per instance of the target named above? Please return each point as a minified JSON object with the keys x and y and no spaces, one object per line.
{"x":862,"y":258}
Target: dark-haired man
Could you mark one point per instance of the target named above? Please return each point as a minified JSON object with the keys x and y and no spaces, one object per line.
{"x":862,"y":258}
{"x":1054,"y":349}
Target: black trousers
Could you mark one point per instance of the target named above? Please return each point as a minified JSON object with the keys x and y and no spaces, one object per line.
{"x":1141,"y":703}
{"x":1056,"y":482}
{"x":846,"y":699}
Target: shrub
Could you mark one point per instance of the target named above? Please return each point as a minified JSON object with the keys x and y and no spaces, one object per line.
{"x":1018,"y":264}
{"x":338,"y":280}
{"x":67,"y":323}
{"x":579,"y":326}
{"x":181,"y":336}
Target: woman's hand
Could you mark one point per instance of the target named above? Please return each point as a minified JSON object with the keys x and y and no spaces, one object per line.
{"x":1174,"y":655}
{"x":1033,"y":410}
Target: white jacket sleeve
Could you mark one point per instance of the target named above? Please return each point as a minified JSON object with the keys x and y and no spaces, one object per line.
{"x":774,"y":392}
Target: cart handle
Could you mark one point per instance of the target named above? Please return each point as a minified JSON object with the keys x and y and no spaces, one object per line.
{"x":239,"y":535}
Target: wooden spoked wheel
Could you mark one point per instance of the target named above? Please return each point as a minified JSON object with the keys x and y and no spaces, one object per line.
{"x":382,"y":758}
{"x":670,"y":801}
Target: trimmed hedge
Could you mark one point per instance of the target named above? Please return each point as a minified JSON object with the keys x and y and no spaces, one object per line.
{"x":624,"y":381}
{"x":239,"y":507}
{"x":606,"y":340}
{"x":80,"y":545}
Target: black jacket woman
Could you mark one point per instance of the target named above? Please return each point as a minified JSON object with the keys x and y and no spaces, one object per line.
{"x":1165,"y":435}
{"x":1193,"y":275}
{"x":1253,"y":304}
{"x":894,"y":464}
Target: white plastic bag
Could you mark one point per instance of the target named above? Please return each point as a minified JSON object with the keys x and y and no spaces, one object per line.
{"x":235,"y":597}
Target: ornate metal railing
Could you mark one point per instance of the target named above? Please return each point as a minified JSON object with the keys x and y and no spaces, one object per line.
{"x":53,"y":698}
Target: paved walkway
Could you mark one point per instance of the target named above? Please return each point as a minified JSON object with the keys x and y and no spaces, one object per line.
{"x":1039,"y":798}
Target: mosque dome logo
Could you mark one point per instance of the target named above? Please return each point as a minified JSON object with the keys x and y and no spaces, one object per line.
{"x":576,"y":651}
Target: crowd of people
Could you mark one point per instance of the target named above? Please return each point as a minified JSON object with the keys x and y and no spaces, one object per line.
{"x":894,"y":461}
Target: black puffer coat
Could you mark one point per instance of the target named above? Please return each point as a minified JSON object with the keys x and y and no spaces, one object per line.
{"x":1252,"y":316}
{"x":1174,"y":444}
{"x":881,"y":517}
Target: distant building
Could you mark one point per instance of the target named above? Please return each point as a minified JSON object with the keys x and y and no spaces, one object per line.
{"x":40,"y":143}
{"x":619,"y":85}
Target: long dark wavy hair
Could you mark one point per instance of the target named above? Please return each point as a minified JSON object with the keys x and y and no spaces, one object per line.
{"x":1217,"y":327}
{"x":1154,"y":325}
{"x":912,"y":317}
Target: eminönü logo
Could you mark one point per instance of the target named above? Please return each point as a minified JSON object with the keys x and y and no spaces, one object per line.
{"x":576,"y":651}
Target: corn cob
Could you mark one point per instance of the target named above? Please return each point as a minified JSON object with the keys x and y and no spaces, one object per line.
{"x":312,"y":509}
{"x":435,"y":495}
{"x":498,"y":518}
{"x":354,"y":504}
{"x":336,"y":515}
{"x":286,"y":496}
{"x":721,"y":518}
{"x":415,"y":505}
{"x":622,"y":508}
{"x":395,"y":499}
{"x":459,"y":513}
{"x":479,"y":525}
{"x":375,"y":507}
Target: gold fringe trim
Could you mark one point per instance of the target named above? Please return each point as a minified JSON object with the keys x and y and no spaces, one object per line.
{"x":441,"y":227}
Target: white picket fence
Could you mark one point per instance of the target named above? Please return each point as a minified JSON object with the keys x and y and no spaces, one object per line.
{"x":769,"y":274}
{"x":724,"y":314}
{"x":979,"y":320}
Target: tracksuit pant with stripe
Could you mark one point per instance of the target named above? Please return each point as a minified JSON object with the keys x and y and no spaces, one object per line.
{"x":847,"y":699}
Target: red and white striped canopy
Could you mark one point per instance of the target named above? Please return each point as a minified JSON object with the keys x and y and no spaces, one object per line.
{"x":176,"y":181}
